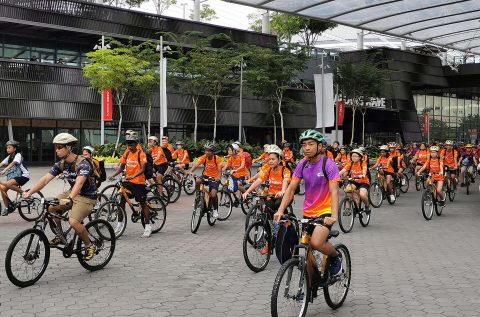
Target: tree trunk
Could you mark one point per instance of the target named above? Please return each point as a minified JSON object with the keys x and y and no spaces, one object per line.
{"x":281,"y":119}
{"x":354,"y":109}
{"x":363,"y":128}
{"x":215,"y":120}
{"x":149,"y":117}
{"x":119,"y":125}
{"x":194,"y":100}
{"x":274,"y":129}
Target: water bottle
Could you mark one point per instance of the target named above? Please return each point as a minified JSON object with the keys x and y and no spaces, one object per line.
{"x":318,"y":257}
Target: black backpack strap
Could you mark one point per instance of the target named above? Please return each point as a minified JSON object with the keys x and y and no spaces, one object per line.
{"x":324,"y":163}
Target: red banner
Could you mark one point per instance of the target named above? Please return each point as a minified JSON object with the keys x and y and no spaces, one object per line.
{"x":107,"y":105}
{"x":425,"y":123}
{"x":340,"y":112}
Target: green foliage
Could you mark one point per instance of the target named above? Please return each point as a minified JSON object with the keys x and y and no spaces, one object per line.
{"x":162,"y":5}
{"x":207,"y":13}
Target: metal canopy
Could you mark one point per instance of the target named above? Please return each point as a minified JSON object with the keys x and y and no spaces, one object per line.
{"x":452,"y":24}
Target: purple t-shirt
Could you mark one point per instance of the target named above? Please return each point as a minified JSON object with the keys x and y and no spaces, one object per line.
{"x":318,"y":200}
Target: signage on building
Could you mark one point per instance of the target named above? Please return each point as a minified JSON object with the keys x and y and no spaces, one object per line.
{"x":373,"y":103}
{"x":107,"y":105}
{"x":425,"y":123}
{"x":340,"y":112}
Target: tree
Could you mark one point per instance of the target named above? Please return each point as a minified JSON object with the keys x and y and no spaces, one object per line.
{"x":311,"y":30}
{"x":270,"y":73}
{"x":115,"y":68}
{"x":359,"y":81}
{"x":162,"y":5}
{"x":286,"y":26}
{"x":207,"y":13}
{"x":124,"y":3}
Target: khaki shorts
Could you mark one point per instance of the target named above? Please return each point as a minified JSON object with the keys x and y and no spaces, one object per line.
{"x":82,"y":206}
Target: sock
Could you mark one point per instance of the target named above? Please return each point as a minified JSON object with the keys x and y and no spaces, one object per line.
{"x":148,"y":227}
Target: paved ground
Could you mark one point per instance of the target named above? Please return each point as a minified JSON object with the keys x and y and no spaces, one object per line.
{"x":402,"y":266}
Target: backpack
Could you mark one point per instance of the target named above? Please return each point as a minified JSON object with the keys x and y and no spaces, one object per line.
{"x":168,"y":154}
{"x":96,"y":169}
{"x":324,"y":163}
{"x":287,"y":239}
{"x":100,"y":166}
{"x":248,"y":159}
{"x":149,"y":166}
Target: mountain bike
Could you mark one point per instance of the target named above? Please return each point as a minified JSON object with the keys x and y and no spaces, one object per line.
{"x":236,"y":197}
{"x":429,"y":199}
{"x":450,"y":184}
{"x":351,"y":206}
{"x":203,"y":205}
{"x":112,"y":211}
{"x":187,"y":182}
{"x":420,"y":180}
{"x":298,"y":280}
{"x":29,"y":253}
{"x":376,"y":192}
{"x":155,"y":189}
{"x":29,"y":209}
{"x":169,"y":181}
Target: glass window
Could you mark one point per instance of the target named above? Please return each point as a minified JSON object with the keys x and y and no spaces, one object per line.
{"x":16,"y":52}
{"x":45,"y":55}
{"x":71,"y":58}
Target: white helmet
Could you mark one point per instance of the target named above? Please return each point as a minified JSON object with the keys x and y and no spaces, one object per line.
{"x":238,"y":143}
{"x":384,"y":148}
{"x":153,"y":138}
{"x":357,"y":151}
{"x":434,"y":148}
{"x":89,"y":149}
{"x":64,"y":138}
{"x":130,"y":132}
{"x":275,"y":149}
{"x":449,"y":142}
{"x":235,"y":147}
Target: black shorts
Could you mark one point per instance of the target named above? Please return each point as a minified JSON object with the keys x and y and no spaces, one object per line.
{"x":21,"y":180}
{"x":311,"y":227}
{"x":451,"y":170}
{"x":139,"y":192}
{"x":212,"y":185}
{"x":161,"y":169}
{"x":361,"y":185}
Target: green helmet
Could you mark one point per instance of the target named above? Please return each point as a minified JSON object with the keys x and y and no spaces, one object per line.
{"x":311,"y":135}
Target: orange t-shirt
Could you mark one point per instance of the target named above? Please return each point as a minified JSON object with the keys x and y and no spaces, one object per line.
{"x":330,"y":155}
{"x":181,"y":156}
{"x":158,"y":155}
{"x":357,"y":169}
{"x":449,"y":157}
{"x":386,"y":163}
{"x":343,"y":158}
{"x":211,"y":165}
{"x":170,"y":148}
{"x":275,"y":178}
{"x":133,"y":164}
{"x":235,"y":163}
{"x":422,"y":156}
{"x":288,"y":154}
{"x":436,"y":167}
{"x":264,"y":156}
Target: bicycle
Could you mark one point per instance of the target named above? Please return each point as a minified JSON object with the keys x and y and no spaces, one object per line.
{"x":420,"y":181}
{"x":31,"y":247}
{"x":28,"y":209}
{"x":429,"y":199}
{"x":351,"y":206}
{"x":203,"y":206}
{"x":187,"y":182}
{"x":236,"y":197}
{"x":450,"y":185}
{"x":154,"y":189}
{"x":377,"y":193}
{"x":468,"y":180}
{"x":169,"y":181}
{"x":298,"y":280}
{"x":259,"y":235}
{"x":113,"y":213}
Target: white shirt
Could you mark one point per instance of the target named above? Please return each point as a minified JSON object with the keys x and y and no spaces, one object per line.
{"x":18,"y":158}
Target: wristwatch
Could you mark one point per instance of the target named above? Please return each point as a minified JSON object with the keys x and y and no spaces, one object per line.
{"x":71,"y":200}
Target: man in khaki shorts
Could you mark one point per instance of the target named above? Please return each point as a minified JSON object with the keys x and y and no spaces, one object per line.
{"x":81,"y":198}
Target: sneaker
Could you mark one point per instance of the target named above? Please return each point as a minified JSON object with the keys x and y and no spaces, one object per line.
{"x":367,"y":210}
{"x":336,"y":266}
{"x":4,"y":212}
{"x":56,"y":241}
{"x":265,"y":250}
{"x":90,"y":252}
{"x":392,"y":197}
{"x":215,"y":214}
{"x":403,"y":181}
{"x":147,"y":232}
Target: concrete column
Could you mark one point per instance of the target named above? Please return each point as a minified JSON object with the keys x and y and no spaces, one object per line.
{"x":196,"y":10}
{"x":10,"y":129}
{"x":360,"y":40}
{"x":266,"y":22}
{"x":403,"y":45}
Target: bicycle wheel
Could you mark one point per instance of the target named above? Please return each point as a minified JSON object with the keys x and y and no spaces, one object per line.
{"x":197,"y":214}
{"x":257,"y":246}
{"x":114,"y":214}
{"x":375,"y":195}
{"x":347,"y":215}
{"x":27,"y":257}
{"x":336,"y":293}
{"x":427,"y":205}
{"x":467,"y":182}
{"x":225,"y":205}
{"x":31,"y":209}
{"x":408,"y":173}
{"x":439,"y":209}
{"x":158,"y":214}
{"x":246,"y":204}
{"x":173,"y":187}
{"x":452,"y":190}
{"x":290,"y":294}
{"x":389,"y":198}
{"x":364,"y":217}
{"x":159,"y":190}
{"x":210,"y":220}
{"x":110,"y":190}
{"x":253,"y":215}
{"x":302,"y":188}
{"x":101,"y":234}
{"x":418,"y":182}
{"x":404,"y":184}
{"x":189,"y":185}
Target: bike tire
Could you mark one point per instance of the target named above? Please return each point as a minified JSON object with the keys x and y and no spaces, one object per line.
{"x":286,"y":271}
{"x":427,"y":205}
{"x":364,"y":217}
{"x":173,"y":187}
{"x":404,"y":187}
{"x":344,"y":283}
{"x":158,"y":214}
{"x":197,"y":214}
{"x":101,"y":234}
{"x":110,"y":190}
{"x":31,"y":209}
{"x":112,"y":212}
{"x":467,"y":183}
{"x":165,"y":193}
{"x":392,"y":201}
{"x":417,"y":183}
{"x":451,"y":193}
{"x":347,"y":214}
{"x":253,"y":215}
{"x":439,"y":209}
{"x":42,"y":239}
{"x":375,"y":195}
{"x":210,"y":220}
{"x":246,"y":205}
{"x":189,"y":185}
{"x":225,"y":205}
{"x":256,"y":238}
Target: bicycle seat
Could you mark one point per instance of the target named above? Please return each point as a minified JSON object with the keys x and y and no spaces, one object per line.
{"x":333,"y":234}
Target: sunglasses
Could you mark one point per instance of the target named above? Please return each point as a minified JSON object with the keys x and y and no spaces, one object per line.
{"x":59,"y":146}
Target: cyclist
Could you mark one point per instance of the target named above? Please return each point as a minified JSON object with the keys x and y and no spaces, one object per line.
{"x":82,"y":196}
{"x":321,"y":179}
{"x":357,"y":169}
{"x":289,"y":158}
{"x":182,"y":157}
{"x":343,"y":157}
{"x":213,"y":169}
{"x":335,"y":148}
{"x":263,"y":156}
{"x":166,"y":144}
{"x":160,"y":162}
{"x":385,"y":161}
{"x":17,"y":173}
{"x":467,"y":160}
{"x":239,"y":172}
{"x":420,"y":157}
{"x":397,"y":160}
{"x":450,"y":160}
{"x":134,"y":161}
{"x":435,"y":165}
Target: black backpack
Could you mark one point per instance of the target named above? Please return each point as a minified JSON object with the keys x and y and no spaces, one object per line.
{"x":287,"y":239}
{"x":168,"y":154}
{"x":149,"y":166}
